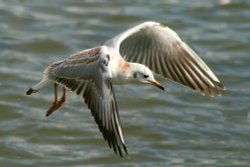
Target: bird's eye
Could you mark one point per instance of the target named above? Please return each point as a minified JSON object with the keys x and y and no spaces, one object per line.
{"x":108,"y":57}
{"x":145,"y":76}
{"x":135,"y":75}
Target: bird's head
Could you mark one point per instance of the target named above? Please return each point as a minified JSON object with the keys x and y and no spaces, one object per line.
{"x":141,"y":73}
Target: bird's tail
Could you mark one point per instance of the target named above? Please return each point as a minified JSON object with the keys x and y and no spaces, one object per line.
{"x":44,"y":82}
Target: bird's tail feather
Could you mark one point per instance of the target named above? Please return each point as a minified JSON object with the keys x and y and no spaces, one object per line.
{"x":44,"y":82}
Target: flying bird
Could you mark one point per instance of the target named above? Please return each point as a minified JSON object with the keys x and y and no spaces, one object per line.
{"x":127,"y":58}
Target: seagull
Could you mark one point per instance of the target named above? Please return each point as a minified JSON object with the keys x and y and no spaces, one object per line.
{"x":127,"y":58}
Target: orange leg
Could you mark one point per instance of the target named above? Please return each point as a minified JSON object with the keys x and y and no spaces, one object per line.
{"x":57,"y":104}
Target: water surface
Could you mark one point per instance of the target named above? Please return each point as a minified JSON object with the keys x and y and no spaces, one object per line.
{"x":177,"y":127}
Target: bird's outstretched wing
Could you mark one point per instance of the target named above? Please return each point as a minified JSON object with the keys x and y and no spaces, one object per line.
{"x":87,"y":74}
{"x":162,"y":50}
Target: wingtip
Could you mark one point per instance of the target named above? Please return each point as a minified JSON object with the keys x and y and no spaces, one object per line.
{"x":215,"y":91}
{"x":125,"y":149}
{"x":30,"y":91}
{"x":220,"y":85}
{"x":121,"y":152}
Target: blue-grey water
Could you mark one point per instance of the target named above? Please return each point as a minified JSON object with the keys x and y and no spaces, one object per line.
{"x":176,"y":128}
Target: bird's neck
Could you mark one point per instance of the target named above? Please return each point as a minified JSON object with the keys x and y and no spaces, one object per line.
{"x":124,"y":74}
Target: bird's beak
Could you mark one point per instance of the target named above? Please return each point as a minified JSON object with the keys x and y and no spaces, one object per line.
{"x":157,"y":84}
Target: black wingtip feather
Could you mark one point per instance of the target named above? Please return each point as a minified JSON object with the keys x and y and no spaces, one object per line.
{"x":30,"y":91}
{"x":125,"y":148}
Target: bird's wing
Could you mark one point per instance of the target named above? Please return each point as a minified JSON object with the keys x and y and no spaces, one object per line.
{"x":162,"y":50}
{"x":87,"y":74}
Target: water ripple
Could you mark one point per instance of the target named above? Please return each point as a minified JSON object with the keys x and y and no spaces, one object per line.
{"x":177,"y":127}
